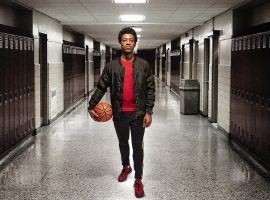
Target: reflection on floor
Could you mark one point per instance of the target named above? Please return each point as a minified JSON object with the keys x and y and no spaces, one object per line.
{"x":185,"y":158}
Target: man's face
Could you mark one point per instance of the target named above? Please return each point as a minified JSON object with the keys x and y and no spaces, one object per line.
{"x":127,"y":43}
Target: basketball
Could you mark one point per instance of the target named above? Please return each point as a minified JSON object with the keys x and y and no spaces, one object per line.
{"x":104,"y":111}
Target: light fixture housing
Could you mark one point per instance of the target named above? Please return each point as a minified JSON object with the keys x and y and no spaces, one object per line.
{"x":130,"y":1}
{"x":132,"y":18}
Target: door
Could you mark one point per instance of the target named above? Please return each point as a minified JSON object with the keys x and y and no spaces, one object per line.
{"x":87,"y":69}
{"x":213,"y":86}
{"x":43,"y":79}
{"x":205,"y":77}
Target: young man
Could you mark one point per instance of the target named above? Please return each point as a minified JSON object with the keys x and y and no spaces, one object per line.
{"x":132,"y":88}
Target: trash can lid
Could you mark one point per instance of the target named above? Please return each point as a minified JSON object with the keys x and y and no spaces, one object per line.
{"x":189,"y":84}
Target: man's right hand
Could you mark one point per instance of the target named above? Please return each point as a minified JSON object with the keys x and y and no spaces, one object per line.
{"x":93,"y":114}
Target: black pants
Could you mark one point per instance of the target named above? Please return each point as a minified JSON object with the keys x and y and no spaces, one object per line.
{"x":129,"y":121}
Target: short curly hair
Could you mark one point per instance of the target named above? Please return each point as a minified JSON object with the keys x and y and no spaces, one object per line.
{"x":127,"y":30}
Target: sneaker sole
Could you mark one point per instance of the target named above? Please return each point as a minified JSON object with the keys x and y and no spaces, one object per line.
{"x":139,"y":196}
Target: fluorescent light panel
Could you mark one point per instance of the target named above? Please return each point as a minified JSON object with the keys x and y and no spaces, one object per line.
{"x":137,"y":29}
{"x":132,"y":18}
{"x":130,"y":1}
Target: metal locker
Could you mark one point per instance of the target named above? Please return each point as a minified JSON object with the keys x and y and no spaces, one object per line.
{"x":12,"y":138}
{"x":28,"y":84}
{"x":24,"y":79}
{"x":2,"y":136}
{"x":32,"y":86}
{"x":6,"y":91}
{"x":21,"y":88}
{"x":16,"y":88}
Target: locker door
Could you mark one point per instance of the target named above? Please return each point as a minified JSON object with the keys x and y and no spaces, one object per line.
{"x":21,"y":87}
{"x":32,"y":85}
{"x":11,"y":92}
{"x":6,"y":92}
{"x":25,"y":86}
{"x":16,"y":89}
{"x":2,"y":136}
{"x":28,"y":83}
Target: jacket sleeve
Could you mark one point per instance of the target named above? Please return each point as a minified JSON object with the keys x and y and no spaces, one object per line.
{"x":101,"y":89}
{"x":150,"y":90}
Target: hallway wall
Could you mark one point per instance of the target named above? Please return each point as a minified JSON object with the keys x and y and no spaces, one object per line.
{"x":224,"y":23}
{"x":200,"y":33}
{"x":54,"y":31}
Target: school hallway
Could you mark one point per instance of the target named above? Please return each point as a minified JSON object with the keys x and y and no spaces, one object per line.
{"x":185,"y":158}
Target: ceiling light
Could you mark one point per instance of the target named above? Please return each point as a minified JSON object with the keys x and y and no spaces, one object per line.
{"x":132,"y":18}
{"x":137,"y":29}
{"x":138,"y":36}
{"x":130,"y":1}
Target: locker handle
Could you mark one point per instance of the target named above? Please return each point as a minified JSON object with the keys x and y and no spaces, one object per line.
{"x":238,"y":93}
{"x":10,"y":96}
{"x":6,"y":97}
{"x":268,"y":105}
{"x":20,"y":93}
{"x":257,"y":97}
{"x":232,"y":91}
{"x":28,"y":91}
{"x":251,"y":98}
{"x":247,"y":96}
{"x":262,"y":102}
{"x":24,"y":92}
{"x":1,"y":100}
{"x":244,"y":94}
{"x":16,"y":95}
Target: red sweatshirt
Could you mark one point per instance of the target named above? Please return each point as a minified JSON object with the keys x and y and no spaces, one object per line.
{"x":128,"y":87}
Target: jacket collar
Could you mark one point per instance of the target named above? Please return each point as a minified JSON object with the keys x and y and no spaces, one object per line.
{"x":119,"y":60}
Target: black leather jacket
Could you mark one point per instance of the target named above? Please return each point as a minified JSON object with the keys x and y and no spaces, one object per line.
{"x":144,"y":86}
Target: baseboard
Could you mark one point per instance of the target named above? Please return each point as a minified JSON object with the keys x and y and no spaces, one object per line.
{"x":246,"y":154}
{"x":201,"y":113}
{"x":16,"y":150}
{"x":175,"y":93}
{"x":36,"y":131}
{"x":223,"y":131}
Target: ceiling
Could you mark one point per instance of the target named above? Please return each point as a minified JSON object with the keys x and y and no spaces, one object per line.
{"x":164,"y":19}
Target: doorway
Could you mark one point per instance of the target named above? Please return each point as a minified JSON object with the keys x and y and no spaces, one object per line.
{"x":205,"y":85}
{"x":43,"y":79}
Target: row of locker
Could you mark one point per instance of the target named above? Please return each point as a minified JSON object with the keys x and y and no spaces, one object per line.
{"x":74,"y":74}
{"x":251,"y":42}
{"x":97,"y":64}
{"x":250,"y":69}
{"x":250,"y":93}
{"x":250,"y":116}
{"x":16,"y":89}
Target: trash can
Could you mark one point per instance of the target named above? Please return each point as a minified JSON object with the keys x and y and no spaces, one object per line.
{"x":189,"y":96}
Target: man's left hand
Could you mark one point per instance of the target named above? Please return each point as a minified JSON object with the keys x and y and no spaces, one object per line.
{"x":147,"y":120}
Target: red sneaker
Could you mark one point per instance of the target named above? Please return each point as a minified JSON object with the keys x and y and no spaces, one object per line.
{"x":138,"y":188}
{"x":124,"y":174}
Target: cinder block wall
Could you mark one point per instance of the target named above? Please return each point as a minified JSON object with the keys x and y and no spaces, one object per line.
{"x":54,"y":31}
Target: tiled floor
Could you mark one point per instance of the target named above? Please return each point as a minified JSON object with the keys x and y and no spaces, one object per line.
{"x":185,"y":158}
